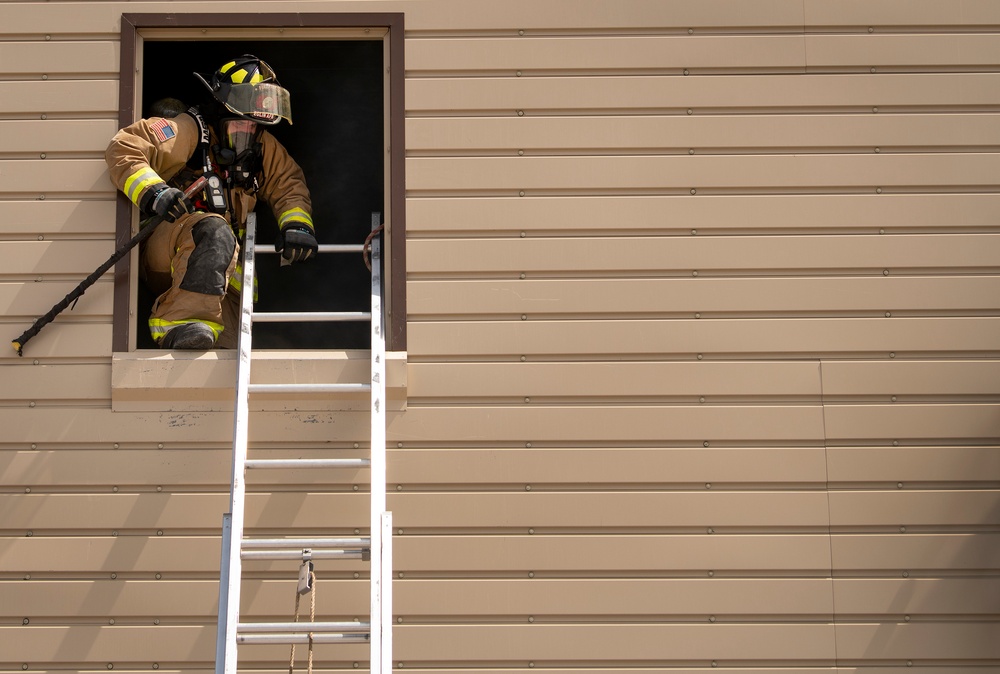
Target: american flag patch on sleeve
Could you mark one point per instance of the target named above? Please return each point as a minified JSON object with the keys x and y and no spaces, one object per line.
{"x":162,"y":130}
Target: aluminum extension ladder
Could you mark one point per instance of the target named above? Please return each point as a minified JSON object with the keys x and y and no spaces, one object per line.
{"x":377,"y":546}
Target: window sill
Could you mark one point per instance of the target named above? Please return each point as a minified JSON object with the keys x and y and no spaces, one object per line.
{"x":168,"y":381}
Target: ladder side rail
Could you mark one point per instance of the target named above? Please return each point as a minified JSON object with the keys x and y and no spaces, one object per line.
{"x":379,"y":609}
{"x":231,"y":571}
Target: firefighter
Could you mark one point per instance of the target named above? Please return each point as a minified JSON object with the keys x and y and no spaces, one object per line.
{"x":191,"y":259}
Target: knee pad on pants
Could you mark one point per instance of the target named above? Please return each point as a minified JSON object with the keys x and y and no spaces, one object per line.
{"x":214,"y":246}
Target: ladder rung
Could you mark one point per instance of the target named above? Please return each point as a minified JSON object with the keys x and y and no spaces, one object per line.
{"x":345,"y":387}
{"x":363,"y":555}
{"x":307,"y":463}
{"x":305,"y":627}
{"x":313,"y":543}
{"x":310,"y":316}
{"x":301,"y":638}
{"x":266,"y":249}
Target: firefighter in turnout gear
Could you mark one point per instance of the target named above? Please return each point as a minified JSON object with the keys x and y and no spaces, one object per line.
{"x":191,"y":259}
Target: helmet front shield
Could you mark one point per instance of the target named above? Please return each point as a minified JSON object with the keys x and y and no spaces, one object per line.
{"x":265,"y":103}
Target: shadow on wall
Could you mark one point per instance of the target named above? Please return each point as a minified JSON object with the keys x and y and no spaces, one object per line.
{"x":337,"y":137}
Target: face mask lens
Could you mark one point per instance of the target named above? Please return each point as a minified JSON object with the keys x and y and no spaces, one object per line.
{"x":240,"y":134}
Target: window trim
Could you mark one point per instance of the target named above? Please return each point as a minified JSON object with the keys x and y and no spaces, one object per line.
{"x":131,"y":40}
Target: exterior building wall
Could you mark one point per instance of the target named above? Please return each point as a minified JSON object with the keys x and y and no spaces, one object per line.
{"x":702,"y":367}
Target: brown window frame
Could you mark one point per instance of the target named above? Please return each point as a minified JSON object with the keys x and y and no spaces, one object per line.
{"x":132,"y":24}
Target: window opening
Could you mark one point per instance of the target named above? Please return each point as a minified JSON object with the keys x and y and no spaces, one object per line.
{"x":339,"y":138}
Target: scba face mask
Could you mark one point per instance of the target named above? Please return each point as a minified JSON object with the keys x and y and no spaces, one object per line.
{"x":240,"y":152}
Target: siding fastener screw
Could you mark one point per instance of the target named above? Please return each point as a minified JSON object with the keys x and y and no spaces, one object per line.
{"x":711,"y":618}
{"x":518,"y":73}
{"x":885,"y":272}
{"x":24,"y":666}
{"x":888,"y":314}
{"x":41,"y":156}
{"x":111,"y":621}
{"x":705,"y":444}
{"x":357,"y":575}
{"x":520,"y":193}
{"x":27,"y":490}
{"x":524,"y":317}
{"x":686,"y":72}
{"x":158,"y":576}
{"x":878,"y":150}
{"x":25,"y":621}
{"x":906,"y":618}
{"x":356,"y":665}
{"x":691,"y":151}
{"x":29,"y":534}
{"x":524,"y":358}
{"x":873,"y":72}
{"x":114,"y":489}
{"x":892,"y":355}
{"x":701,"y":400}
{"x":520,"y":113}
{"x":159,"y":445}
{"x":527,"y":445}
{"x":899,"y":485}
{"x":531,"y":618}
{"x":700,"y":356}
{"x":893,"y":398}
{"x":906,"y":574}
{"x":159,"y":532}
{"x":902,"y":530}
{"x":27,"y":576}
{"x":690,"y":111}
{"x":527,"y":487}
{"x":708,"y":485}
{"x":531,"y":574}
{"x":711,"y":574}
{"x":31,"y":404}
{"x":520,"y":32}
{"x":156,"y":665}
{"x":874,"y":109}
{"x":878,"y":190}
{"x":694,"y":191}
{"x":694,"y":273}
{"x":355,"y":487}
{"x":531,"y":532}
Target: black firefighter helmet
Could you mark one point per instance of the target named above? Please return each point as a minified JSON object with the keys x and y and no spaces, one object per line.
{"x":248,"y":87}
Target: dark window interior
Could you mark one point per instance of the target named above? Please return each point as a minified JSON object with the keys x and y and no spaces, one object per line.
{"x":337,"y":94}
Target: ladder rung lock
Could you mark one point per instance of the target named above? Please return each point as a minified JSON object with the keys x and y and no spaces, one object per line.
{"x":346,"y":387}
{"x":306,"y":627}
{"x":307,"y":463}
{"x":310,"y":316}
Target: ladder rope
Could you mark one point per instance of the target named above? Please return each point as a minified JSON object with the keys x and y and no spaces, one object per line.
{"x":312,"y":619}
{"x":366,"y":248}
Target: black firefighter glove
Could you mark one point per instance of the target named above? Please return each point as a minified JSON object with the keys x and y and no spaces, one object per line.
{"x":296,"y":243}
{"x":169,"y":202}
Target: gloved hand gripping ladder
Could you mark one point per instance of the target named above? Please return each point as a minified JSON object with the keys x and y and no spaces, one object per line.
{"x":376,"y":548}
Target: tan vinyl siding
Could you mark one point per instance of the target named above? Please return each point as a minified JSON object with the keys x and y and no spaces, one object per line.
{"x":702,"y":370}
